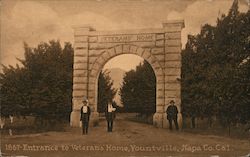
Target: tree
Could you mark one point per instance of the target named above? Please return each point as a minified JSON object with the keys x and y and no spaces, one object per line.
{"x":43,"y":86}
{"x":13,"y":91}
{"x":106,"y":92}
{"x":232,"y":43}
{"x":214,"y":77}
{"x":138,"y":91}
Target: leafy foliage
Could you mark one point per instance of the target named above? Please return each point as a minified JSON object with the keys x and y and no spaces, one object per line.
{"x":139,"y":89}
{"x":42,"y":87}
{"x":106,"y":92}
{"x":215,"y":70}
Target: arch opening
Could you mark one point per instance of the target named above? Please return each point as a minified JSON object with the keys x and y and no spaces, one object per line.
{"x":134,"y":82}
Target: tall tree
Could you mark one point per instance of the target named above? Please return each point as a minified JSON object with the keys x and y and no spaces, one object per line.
{"x":138,"y":91}
{"x":214,"y":77}
{"x":106,"y":92}
{"x":43,"y":86}
{"x":14,"y":91}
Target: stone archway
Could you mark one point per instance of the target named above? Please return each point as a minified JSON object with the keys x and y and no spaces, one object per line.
{"x":129,"y":49}
{"x":161,"y":48}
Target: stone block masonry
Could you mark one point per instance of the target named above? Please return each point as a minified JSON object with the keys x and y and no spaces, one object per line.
{"x":160,"y":47}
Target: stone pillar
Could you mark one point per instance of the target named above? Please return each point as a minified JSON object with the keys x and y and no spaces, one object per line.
{"x":80,"y":72}
{"x":93,"y":97}
{"x":158,"y":116}
{"x":172,"y":67}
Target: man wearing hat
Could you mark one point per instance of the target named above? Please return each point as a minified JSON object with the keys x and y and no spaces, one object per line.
{"x":85,"y":113}
{"x":172,"y":112}
{"x":110,"y":116}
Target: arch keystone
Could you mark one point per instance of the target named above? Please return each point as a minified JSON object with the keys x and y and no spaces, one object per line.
{"x":126,"y":48}
{"x":118,"y":49}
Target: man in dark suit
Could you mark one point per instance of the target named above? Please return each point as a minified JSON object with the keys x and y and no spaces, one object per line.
{"x":110,"y":116}
{"x":172,"y":112}
{"x":85,"y":113}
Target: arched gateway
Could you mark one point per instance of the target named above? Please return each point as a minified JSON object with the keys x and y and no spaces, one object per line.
{"x":161,"y":48}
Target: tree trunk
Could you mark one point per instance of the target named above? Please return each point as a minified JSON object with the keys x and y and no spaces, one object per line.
{"x":184,"y":122}
{"x":193,"y":122}
{"x":210,"y":121}
{"x":229,"y":129}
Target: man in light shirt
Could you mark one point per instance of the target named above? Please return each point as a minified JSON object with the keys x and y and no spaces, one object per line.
{"x":110,"y":116}
{"x":85,"y":113}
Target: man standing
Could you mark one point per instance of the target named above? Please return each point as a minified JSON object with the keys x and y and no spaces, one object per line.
{"x":85,"y":113}
{"x":110,"y":116}
{"x":172,"y":112}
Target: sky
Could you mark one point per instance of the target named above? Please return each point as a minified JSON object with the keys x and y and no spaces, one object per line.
{"x":36,"y":21}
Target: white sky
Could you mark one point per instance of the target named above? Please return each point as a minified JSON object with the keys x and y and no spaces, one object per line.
{"x":123,"y":62}
{"x":43,"y":20}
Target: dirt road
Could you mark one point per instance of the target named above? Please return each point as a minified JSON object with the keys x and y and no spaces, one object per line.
{"x":127,"y":139}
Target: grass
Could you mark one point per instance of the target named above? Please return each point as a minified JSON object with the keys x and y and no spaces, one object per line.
{"x":28,"y":125}
{"x":236,"y":132}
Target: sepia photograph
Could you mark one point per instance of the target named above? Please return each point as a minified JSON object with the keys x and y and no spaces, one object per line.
{"x":125,"y":78}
